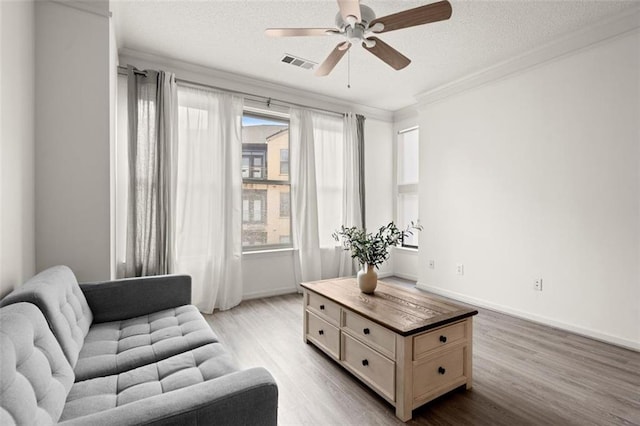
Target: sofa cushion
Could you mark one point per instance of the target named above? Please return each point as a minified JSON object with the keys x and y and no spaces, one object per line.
{"x":113,"y":347}
{"x":57,"y":293}
{"x":35,"y":376}
{"x":189,"y":368}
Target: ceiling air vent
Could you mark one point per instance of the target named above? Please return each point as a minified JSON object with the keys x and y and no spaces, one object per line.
{"x":298,"y":62}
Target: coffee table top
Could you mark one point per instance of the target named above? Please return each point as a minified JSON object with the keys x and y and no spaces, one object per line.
{"x":406,"y":311}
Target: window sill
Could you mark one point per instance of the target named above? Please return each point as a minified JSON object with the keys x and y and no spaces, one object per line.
{"x":268,"y":251}
{"x":407,"y":249}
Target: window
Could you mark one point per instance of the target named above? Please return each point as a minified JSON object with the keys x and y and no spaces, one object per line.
{"x":284,"y":161}
{"x":254,"y":206}
{"x":254,"y":238}
{"x":253,"y":161}
{"x":407,"y":181}
{"x":285,"y":204}
{"x":266,"y":201}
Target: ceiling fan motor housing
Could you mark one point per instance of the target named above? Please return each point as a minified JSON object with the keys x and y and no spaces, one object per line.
{"x":366,"y":15}
{"x":357,"y":33}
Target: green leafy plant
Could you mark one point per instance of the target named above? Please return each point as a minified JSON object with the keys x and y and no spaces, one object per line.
{"x":373,"y":249}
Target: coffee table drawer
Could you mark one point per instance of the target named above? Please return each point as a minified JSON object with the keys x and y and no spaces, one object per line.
{"x":373,"y":368}
{"x":438,"y":372}
{"x":376,"y":336}
{"x":439,"y":338}
{"x":323,"y":334}
{"x":324,"y":308}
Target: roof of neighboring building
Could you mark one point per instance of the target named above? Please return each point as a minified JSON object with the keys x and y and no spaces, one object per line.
{"x":278,"y":133}
{"x":260,"y":134}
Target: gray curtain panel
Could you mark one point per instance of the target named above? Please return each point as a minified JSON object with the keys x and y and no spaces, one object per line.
{"x":151,"y":97}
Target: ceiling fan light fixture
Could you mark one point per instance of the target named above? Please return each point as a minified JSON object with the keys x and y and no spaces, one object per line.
{"x":355,"y":34}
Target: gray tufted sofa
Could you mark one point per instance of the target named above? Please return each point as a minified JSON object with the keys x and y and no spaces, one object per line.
{"x":129,"y":351}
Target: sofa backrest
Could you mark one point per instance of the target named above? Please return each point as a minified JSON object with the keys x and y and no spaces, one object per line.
{"x":57,"y":293}
{"x":35,"y":376}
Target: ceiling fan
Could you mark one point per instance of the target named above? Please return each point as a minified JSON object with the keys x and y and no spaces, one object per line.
{"x":357,"y":22}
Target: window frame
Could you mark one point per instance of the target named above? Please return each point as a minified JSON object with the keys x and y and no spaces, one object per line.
{"x":269,"y":183}
{"x":407,"y":188}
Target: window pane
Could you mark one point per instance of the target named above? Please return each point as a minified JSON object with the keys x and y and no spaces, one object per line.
{"x":284,"y":161}
{"x":265,"y":189}
{"x":408,"y":212}
{"x":285,"y":204}
{"x":407,"y":163}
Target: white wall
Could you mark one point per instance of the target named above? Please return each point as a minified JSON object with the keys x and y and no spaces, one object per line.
{"x":17,"y":55}
{"x":537,"y":175}
{"x":72,"y":137}
{"x":268,"y":274}
{"x":113,"y":120}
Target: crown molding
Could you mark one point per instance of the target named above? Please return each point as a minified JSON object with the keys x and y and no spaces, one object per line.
{"x":241,"y":83}
{"x":407,"y":113}
{"x":95,"y":7}
{"x":616,"y":26}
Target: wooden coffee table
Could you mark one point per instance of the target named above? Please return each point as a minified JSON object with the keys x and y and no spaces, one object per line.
{"x":408,"y":346}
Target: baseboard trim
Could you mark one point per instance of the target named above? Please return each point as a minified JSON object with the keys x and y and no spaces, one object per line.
{"x":409,"y":277}
{"x":592,"y":334}
{"x":269,"y":293}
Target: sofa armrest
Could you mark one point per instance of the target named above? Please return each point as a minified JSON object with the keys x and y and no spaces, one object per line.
{"x":248,"y":397}
{"x":131,"y":297}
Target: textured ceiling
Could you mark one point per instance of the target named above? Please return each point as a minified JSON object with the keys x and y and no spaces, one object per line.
{"x":228,"y":35}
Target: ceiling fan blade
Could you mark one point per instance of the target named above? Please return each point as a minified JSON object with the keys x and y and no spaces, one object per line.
{"x":387,"y":54}
{"x":334,"y":57}
{"x":418,"y":16}
{"x":350,"y":8}
{"x":300,"y":32}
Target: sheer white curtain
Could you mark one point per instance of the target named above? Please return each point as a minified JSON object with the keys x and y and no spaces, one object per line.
{"x":208,"y":230}
{"x":324,"y":192}
{"x":304,"y":199}
{"x":352,"y":184}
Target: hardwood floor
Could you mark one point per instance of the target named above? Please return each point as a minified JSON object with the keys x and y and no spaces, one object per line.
{"x":524,"y":374}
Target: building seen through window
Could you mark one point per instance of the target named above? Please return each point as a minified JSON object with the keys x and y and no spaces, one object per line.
{"x":266,"y":198}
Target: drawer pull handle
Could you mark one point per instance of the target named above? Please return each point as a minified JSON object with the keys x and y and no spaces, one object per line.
{"x":441,"y":370}
{"x":443,"y":339}
{"x":322,"y":307}
{"x":365,"y":362}
{"x":321,"y":332}
{"x":366,"y":331}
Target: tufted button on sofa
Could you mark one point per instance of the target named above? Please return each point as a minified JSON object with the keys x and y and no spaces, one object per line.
{"x":127,"y":351}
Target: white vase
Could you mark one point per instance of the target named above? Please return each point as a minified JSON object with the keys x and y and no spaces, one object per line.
{"x":367,"y":279}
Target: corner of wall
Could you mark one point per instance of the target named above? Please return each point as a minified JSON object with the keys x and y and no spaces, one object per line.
{"x":17,"y":114}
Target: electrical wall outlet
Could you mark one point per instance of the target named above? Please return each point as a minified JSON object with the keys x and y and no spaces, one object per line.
{"x":537,"y":284}
{"x":432,"y":264}
{"x":460,"y":269}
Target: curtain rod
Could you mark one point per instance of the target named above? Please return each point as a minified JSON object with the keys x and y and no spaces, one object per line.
{"x":269,"y":101}
{"x":408,"y":130}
